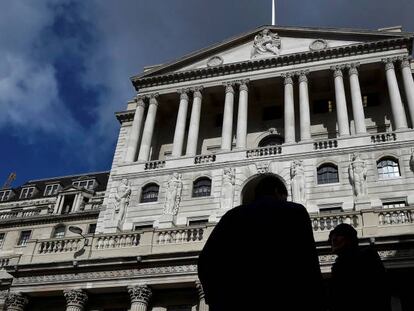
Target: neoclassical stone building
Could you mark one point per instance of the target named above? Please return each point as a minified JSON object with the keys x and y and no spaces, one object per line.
{"x":328,"y":112}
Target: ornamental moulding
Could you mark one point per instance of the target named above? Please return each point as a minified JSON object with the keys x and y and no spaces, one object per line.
{"x":272,"y":62}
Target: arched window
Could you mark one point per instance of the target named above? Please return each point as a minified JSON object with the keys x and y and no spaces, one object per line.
{"x":202,"y":187}
{"x":59,"y":231}
{"x":271,"y":140}
{"x":150,"y":193}
{"x":328,"y":174}
{"x":388,"y":168}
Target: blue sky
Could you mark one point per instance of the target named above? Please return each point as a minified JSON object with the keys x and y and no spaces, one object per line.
{"x":65,"y":65}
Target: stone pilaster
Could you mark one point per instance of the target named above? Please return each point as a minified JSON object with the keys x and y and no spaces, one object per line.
{"x":341,"y":109}
{"x":398,"y":111}
{"x":289,"y":109}
{"x":140,"y":297}
{"x":75,"y":299}
{"x":135,"y":132}
{"x":145,"y":148}
{"x":202,"y":306}
{"x":227,"y":128}
{"x":180,"y":124}
{"x":357,"y":106}
{"x":16,"y":302}
{"x":241,"y":134}
{"x":194,"y":129}
{"x":408,"y":85}
{"x":305,"y":128}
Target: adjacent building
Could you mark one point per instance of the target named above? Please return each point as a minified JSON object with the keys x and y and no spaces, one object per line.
{"x":327,"y":112}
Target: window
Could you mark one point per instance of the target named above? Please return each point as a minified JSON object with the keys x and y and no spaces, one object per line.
{"x":272,"y":113}
{"x":91,"y":228}
{"x":87,"y":184}
{"x":143,"y":226}
{"x":271,"y":140}
{"x":394,"y":204}
{"x":51,"y":189}
{"x":330,"y":210}
{"x":59,"y":231}
{"x":202,"y":187}
{"x":196,"y":222}
{"x":5,"y":195}
{"x":323,"y":106}
{"x":27,"y":192}
{"x":388,"y":168}
{"x":2,"y":236}
{"x":150,"y":193}
{"x":327,"y":174}
{"x":24,"y":238}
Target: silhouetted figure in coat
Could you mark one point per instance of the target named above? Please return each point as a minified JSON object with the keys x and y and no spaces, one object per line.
{"x":262,"y":256}
{"x":358,"y":276}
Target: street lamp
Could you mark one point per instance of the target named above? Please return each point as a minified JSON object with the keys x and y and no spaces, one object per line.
{"x":77,"y":230}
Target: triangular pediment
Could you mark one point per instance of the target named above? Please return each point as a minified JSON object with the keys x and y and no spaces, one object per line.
{"x":269,"y":42}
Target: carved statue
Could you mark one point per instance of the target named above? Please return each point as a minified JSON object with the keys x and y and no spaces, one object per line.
{"x":358,"y":175}
{"x":297,"y":175}
{"x":122,"y":199}
{"x":227,"y":189}
{"x":173,"y":195}
{"x":266,"y":43}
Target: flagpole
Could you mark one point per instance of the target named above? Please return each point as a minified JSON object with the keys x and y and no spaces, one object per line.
{"x":273,"y":13}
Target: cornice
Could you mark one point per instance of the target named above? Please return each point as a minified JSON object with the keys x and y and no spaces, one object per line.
{"x":125,"y":116}
{"x":274,"y":62}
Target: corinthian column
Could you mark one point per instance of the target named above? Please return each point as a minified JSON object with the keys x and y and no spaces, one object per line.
{"x":408,"y":85}
{"x":357,"y":107}
{"x":180,"y":125}
{"x":305,"y":129}
{"x":202,"y":306}
{"x":341,"y":110}
{"x":398,"y":111}
{"x":16,"y":302}
{"x":75,"y":299}
{"x":227,"y":129}
{"x":135,"y":132}
{"x":140,"y":296}
{"x":144,"y":151}
{"x":289,"y":109}
{"x":241,"y":134}
{"x":194,"y":123}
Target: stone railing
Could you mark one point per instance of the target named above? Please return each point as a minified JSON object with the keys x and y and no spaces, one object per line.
{"x":20,"y":213}
{"x":180,"y":236}
{"x":396,"y":216}
{"x":383,"y":137}
{"x":60,"y":245}
{"x":325,"y":144}
{"x":263,"y":151}
{"x":328,"y":222}
{"x":205,"y":159}
{"x":4,"y":262}
{"x":153,"y":165}
{"x":117,"y":241}
{"x":8,"y":215}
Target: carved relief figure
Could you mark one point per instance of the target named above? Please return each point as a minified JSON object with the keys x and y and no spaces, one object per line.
{"x":266,"y":43}
{"x":227,"y":189}
{"x":122,"y":199}
{"x":358,"y":175}
{"x":297,"y":175}
{"x":173,"y":195}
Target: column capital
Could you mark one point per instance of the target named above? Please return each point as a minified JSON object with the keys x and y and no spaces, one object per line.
{"x":302,"y":75}
{"x":153,"y":99}
{"x":140,"y":100}
{"x":140,"y":293}
{"x":352,"y":68}
{"x":75,"y":297}
{"x":197,"y":91}
{"x":243,"y":84}
{"x":405,"y":61}
{"x":337,"y":70}
{"x":200,"y":289}
{"x":288,"y":77}
{"x":229,"y":86}
{"x":16,"y":301}
{"x":389,"y":62}
{"x":183,"y":93}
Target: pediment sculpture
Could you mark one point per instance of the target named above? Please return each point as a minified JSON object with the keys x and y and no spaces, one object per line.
{"x":266,"y":44}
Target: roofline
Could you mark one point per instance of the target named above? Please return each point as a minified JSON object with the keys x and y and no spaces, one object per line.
{"x":66,"y":176}
{"x":231,"y":40}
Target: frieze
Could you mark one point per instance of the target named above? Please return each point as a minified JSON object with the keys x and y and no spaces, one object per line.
{"x":102,"y":275}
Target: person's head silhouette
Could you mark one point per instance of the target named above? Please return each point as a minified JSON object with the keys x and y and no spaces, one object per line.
{"x":343,"y":237}
{"x":271,"y":187}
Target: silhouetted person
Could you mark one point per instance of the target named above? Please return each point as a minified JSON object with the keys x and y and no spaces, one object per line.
{"x":262,"y":256}
{"x":358,"y":276}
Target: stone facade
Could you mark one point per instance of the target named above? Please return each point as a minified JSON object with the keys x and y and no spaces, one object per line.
{"x":330,"y":114}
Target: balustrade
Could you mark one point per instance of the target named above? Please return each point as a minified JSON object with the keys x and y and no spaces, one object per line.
{"x":205,"y":159}
{"x":20,"y":213}
{"x":328,"y":222}
{"x":396,"y":216}
{"x":180,"y":236}
{"x":325,"y":144}
{"x":263,"y":151}
{"x":59,"y":245}
{"x":117,"y":241}
{"x":153,"y":165}
{"x":4,"y":262}
{"x":384,"y":137}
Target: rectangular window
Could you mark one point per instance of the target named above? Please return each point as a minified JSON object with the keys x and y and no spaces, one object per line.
{"x":87,"y":184}
{"x":2,"y":236}
{"x":27,"y":193}
{"x":394,"y":204}
{"x":323,"y":106}
{"x":5,"y":195}
{"x":51,"y":189}
{"x":330,"y":210}
{"x":91,"y":228}
{"x":24,"y":238}
{"x":196,"y":222}
{"x":143,"y":226}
